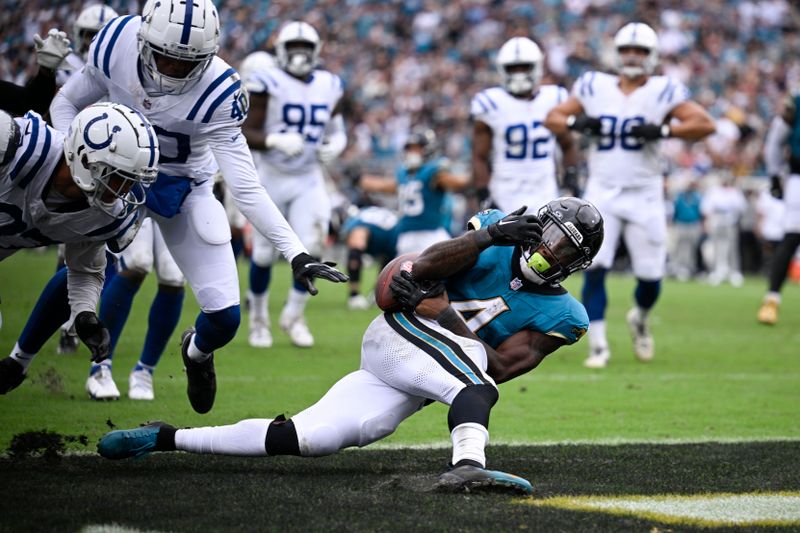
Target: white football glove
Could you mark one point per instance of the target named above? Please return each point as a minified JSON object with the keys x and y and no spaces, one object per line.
{"x":51,"y":50}
{"x":291,"y":144}
{"x":327,"y":153}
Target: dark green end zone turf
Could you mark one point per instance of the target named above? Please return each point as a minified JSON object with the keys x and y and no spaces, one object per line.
{"x":374,"y":490}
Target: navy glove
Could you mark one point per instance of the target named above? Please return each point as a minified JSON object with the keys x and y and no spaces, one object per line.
{"x":93,"y":334}
{"x":650,"y":132}
{"x":410,"y":293}
{"x":305,"y":268}
{"x":585,"y":124}
{"x":776,"y":187}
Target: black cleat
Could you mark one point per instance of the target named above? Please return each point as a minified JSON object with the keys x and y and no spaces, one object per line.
{"x":469,"y":478}
{"x":69,"y":342}
{"x":11,"y":375}
{"x":202,"y":380}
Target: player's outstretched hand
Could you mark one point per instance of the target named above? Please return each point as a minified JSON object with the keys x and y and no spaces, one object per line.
{"x":51,"y":50}
{"x":327,"y":154}
{"x":516,"y":228}
{"x":585,"y":124}
{"x":290,"y":143}
{"x":93,"y":334}
{"x":650,"y":132}
{"x":305,"y":268}
{"x":409,"y":293}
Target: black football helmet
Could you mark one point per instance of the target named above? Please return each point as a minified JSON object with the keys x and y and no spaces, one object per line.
{"x":572,"y":232}
{"x":425,"y":138}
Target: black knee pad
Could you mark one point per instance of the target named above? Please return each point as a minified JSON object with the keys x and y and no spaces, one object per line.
{"x":282,"y":437}
{"x":472,"y":404}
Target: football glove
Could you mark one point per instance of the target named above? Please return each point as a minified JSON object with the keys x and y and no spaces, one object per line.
{"x":327,"y":154}
{"x":290,"y":143}
{"x":51,"y":50}
{"x":305,"y":268}
{"x":410,"y":293}
{"x":585,"y":124}
{"x":650,"y":132}
{"x":516,"y":228}
{"x":776,"y":187}
{"x":93,"y":334}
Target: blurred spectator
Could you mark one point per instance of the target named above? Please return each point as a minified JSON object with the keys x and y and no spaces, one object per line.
{"x":769,"y":226}
{"x":723,"y":206}
{"x":688,"y":228}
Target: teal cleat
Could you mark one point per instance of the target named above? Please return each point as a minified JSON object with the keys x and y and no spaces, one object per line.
{"x":125,"y":443}
{"x":469,"y":478}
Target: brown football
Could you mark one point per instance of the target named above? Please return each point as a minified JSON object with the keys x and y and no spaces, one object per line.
{"x":383,"y":294}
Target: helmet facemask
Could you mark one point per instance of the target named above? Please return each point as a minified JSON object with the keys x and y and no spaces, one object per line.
{"x":558,"y":255}
{"x":185,"y":74}
{"x":521,"y":79}
{"x":633,"y":62}
{"x":300,"y":58}
{"x":112,"y":185}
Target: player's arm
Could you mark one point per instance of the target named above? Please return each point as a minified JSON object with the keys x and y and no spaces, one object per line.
{"x":86,"y":263}
{"x":83,"y":88}
{"x":290,"y":143}
{"x":446,"y":180}
{"x":335,"y":139}
{"x":694,"y":122}
{"x":568,"y":115}
{"x":378,"y":184}
{"x":570,"y":160}
{"x":481,"y":152}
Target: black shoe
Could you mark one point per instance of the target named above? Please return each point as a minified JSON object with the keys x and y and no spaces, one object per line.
{"x":68,"y":343}
{"x":202,"y":380}
{"x":11,"y":375}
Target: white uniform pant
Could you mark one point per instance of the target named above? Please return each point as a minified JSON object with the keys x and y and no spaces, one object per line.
{"x":509,"y":194}
{"x":405,"y":360}
{"x":305,"y":203}
{"x":199,"y":240}
{"x":687,"y":241}
{"x":417,"y":241}
{"x":791,"y":196}
{"x":637,"y":215}
{"x":724,"y":241}
{"x":147,"y":250}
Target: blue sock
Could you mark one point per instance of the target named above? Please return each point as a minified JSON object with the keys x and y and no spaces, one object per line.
{"x":259,"y":278}
{"x":115,"y":306}
{"x":111,"y":269}
{"x":51,"y":310}
{"x":647,"y":293}
{"x":594,"y":295}
{"x":165,"y":312}
{"x":215,"y":330}
{"x":237,"y":243}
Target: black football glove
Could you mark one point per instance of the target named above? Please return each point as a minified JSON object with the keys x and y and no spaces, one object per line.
{"x":410,"y":293}
{"x":776,"y":187}
{"x":516,"y":228}
{"x":305,"y":268}
{"x":93,"y":334}
{"x":650,"y":132}
{"x":585,"y":124}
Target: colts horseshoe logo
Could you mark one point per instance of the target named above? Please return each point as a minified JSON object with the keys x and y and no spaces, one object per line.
{"x":103,"y":144}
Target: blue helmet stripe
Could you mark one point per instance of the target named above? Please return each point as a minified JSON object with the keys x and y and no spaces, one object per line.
{"x":208,"y":91}
{"x":112,"y":42}
{"x":216,"y":103}
{"x":187,"y":22}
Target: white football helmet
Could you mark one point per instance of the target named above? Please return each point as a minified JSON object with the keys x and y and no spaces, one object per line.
{"x":636,"y":35}
{"x":525,"y":55}
{"x":297,"y":48}
{"x":9,"y":138}
{"x":89,"y":22}
{"x":183,"y":30}
{"x":112,"y":148}
{"x":256,"y":62}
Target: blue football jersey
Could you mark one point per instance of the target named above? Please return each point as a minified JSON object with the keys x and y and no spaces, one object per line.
{"x":421,"y":204}
{"x":382,"y":226}
{"x":497,"y":301}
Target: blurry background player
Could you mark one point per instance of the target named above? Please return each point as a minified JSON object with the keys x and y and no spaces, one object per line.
{"x":372,"y":230}
{"x":291,"y":109}
{"x":421,"y":184}
{"x":626,"y":115}
{"x":784,"y":130}
{"x":723,"y":206}
{"x":504,"y":277}
{"x":513,"y":154}
{"x":83,"y":189}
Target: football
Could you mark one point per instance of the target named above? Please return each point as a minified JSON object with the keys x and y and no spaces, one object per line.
{"x":383,"y":294}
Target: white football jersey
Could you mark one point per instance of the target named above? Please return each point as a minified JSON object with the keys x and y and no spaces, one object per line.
{"x":298,"y":106}
{"x":26,"y":221}
{"x":523,"y":150}
{"x":616,"y":158}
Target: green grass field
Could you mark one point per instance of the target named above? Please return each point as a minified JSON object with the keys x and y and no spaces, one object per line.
{"x":717,"y":376}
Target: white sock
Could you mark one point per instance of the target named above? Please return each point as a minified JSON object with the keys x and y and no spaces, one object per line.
{"x":246,"y":438}
{"x":21,"y":357}
{"x":469,"y":441}
{"x":258,"y":305}
{"x":597,"y":334}
{"x":194,"y":352}
{"x":773,"y":297}
{"x":295,"y":303}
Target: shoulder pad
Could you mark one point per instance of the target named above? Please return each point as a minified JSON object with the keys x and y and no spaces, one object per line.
{"x":125,"y":237}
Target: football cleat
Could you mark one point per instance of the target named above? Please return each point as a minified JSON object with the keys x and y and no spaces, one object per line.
{"x":768,"y":312}
{"x":11,"y":375}
{"x":126,"y":443}
{"x":100,"y":385}
{"x":68,"y":342}
{"x":357,"y":302}
{"x":298,"y":331}
{"x":598,"y":357}
{"x":644,"y":346}
{"x":140,"y":385}
{"x":260,"y":335}
{"x":200,"y":376}
{"x":468,"y":478}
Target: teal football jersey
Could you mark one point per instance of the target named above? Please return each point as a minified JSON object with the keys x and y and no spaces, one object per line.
{"x":421,"y":204}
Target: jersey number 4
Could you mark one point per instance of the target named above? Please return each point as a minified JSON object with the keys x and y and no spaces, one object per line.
{"x":478,"y":313}
{"x":519,"y":137}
